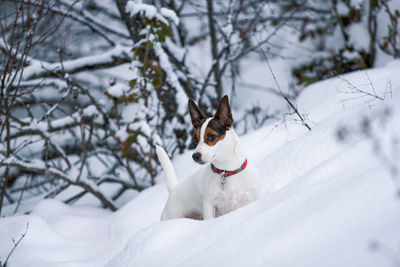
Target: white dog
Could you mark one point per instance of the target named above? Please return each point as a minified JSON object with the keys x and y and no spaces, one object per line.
{"x":226,"y":184}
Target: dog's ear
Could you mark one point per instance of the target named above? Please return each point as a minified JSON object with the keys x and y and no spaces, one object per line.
{"x":224,"y":114}
{"x":195,"y":114}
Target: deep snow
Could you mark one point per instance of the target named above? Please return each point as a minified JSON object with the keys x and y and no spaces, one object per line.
{"x":326,"y":202}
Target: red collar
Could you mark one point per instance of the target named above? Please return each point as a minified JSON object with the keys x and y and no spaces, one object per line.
{"x":229,"y":173}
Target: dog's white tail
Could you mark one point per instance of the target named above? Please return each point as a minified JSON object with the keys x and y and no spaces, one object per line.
{"x":166,"y":164}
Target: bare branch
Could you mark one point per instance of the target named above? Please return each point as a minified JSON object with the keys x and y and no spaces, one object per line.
{"x":16,"y":244}
{"x":113,"y":57}
{"x":279,"y":88}
{"x":40,"y":168}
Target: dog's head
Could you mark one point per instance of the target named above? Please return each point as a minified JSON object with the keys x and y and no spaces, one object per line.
{"x":211,"y":134}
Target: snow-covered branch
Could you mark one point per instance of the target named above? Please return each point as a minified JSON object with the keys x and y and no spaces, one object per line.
{"x":116,"y":56}
{"x":39,"y":167}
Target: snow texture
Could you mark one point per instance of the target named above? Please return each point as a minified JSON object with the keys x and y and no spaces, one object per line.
{"x":150,"y":12}
{"x":168,"y":13}
{"x":118,"y":90}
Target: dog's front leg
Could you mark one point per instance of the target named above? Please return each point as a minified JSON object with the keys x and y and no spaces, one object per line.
{"x":208,"y":210}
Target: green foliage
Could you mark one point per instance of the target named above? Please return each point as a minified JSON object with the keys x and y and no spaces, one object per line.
{"x":150,"y":77}
{"x":132,"y":83}
{"x":124,"y":99}
{"x":153,"y":31}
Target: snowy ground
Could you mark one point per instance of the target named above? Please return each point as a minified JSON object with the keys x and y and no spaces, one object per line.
{"x":326,"y":202}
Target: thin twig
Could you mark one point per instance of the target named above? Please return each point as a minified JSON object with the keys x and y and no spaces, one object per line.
{"x":279,"y":88}
{"x":16,"y":244}
{"x":355,"y":89}
{"x":21,"y":195}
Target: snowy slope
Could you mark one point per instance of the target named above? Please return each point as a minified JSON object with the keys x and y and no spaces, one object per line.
{"x":326,"y":202}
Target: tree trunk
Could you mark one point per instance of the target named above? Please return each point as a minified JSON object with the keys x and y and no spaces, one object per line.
{"x":214,"y":49}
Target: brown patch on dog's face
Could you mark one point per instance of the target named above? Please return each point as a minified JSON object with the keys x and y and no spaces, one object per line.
{"x":214,"y":133}
{"x":196,"y":136}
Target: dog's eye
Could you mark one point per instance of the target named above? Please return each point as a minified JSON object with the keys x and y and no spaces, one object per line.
{"x":211,"y":137}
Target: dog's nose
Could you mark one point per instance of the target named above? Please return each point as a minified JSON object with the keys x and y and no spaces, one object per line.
{"x":196,"y":156}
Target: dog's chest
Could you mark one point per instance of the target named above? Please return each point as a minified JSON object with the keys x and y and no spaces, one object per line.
{"x":232,"y":195}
